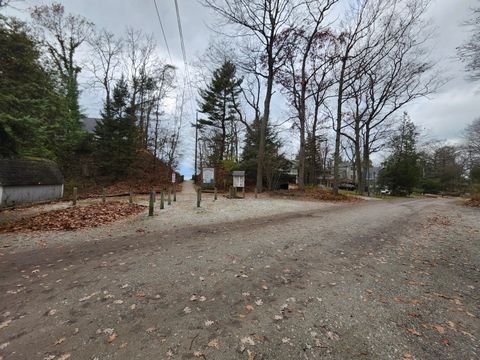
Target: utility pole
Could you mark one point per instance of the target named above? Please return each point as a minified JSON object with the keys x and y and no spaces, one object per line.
{"x":196,"y":146}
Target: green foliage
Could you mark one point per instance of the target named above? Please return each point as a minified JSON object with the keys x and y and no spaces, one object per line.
{"x":430,"y":186}
{"x":475,"y":174}
{"x":28,"y":101}
{"x":218,"y":102}
{"x":401,"y":171}
{"x":276,"y":165}
{"x":116,"y":135}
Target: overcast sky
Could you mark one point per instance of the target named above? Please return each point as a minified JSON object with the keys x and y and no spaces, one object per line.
{"x":443,"y":116}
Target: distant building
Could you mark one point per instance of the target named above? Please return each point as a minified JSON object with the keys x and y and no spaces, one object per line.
{"x":346,"y":171}
{"x":29,"y":181}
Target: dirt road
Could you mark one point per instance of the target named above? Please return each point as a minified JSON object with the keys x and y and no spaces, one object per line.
{"x":375,"y":280}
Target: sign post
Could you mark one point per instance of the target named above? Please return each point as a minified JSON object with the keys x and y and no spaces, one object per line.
{"x":239,"y":181}
{"x":208,"y":178}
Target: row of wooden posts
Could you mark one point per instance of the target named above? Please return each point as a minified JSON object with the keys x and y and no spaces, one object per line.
{"x":162,"y":197}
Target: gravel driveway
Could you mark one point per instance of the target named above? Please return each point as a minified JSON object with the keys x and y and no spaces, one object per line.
{"x":374,"y":280}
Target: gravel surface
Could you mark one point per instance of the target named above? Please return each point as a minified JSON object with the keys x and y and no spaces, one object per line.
{"x":374,"y":280}
{"x":183,"y":212}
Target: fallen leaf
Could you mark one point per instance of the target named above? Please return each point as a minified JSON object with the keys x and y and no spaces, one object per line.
{"x":64,"y":356}
{"x":332,"y":335}
{"x":251,"y":355}
{"x":247,"y":340}
{"x":5,"y":323}
{"x":440,"y":329}
{"x":214,"y":344}
{"x":4,"y":345}
{"x":414,"y":332}
{"x":249,"y":307}
{"x":187,"y":310}
{"x":198,"y":354}
{"x":112,"y":338}
{"x":150,"y":330}
{"x":59,"y":341}
{"x":208,"y":322}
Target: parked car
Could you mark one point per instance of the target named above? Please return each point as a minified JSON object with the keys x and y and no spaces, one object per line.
{"x":385,"y":192}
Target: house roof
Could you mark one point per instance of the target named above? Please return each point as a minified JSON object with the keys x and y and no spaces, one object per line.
{"x":15,"y":172}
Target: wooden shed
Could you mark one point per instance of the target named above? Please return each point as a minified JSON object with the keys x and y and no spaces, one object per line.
{"x":29,"y":181}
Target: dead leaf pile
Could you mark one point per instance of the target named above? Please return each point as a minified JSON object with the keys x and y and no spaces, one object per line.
{"x":315,"y":193}
{"x":473,"y":203}
{"x":74,"y":218}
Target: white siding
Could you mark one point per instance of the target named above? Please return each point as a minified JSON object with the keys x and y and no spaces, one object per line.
{"x":10,"y":195}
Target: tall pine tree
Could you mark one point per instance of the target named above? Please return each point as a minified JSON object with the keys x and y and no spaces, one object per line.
{"x":401,"y":171}
{"x":218,"y":102}
{"x":115,"y":135}
{"x":31,"y":108}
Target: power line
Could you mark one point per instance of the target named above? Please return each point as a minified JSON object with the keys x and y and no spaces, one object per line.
{"x":163,"y":30}
{"x":184,"y":53}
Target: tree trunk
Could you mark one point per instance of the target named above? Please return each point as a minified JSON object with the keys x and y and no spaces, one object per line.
{"x":338,"y":127}
{"x":264,"y":124}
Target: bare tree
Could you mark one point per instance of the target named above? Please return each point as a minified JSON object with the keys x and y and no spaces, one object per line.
{"x":106,"y":52}
{"x":362,"y":16}
{"x":304,"y":57}
{"x":63,"y":34}
{"x":469,"y":52}
{"x":472,"y":139}
{"x":263,"y":20}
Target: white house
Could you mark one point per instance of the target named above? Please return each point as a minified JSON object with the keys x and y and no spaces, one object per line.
{"x":29,"y":181}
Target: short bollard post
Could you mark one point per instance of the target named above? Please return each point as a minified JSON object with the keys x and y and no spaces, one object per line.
{"x":256,"y":193}
{"x":150,"y":205}
{"x":199,"y":197}
{"x":130,"y":197}
{"x":169,"y":197}
{"x":174,"y":193}
{"x":104,"y":196}
{"x":162,"y":200}
{"x":214,"y":193}
{"x":74,"y":201}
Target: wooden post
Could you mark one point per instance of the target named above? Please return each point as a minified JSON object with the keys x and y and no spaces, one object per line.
{"x":256,"y":192}
{"x":162,"y":200}
{"x":130,"y":197}
{"x":174,"y":192}
{"x":74,"y":196}
{"x":169,"y":196}
{"x":214,"y":193}
{"x":243,"y":192}
{"x":104,"y":196}
{"x":150,"y":205}
{"x":199,"y":197}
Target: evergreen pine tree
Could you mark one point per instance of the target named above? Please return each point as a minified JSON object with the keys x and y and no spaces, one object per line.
{"x":218,"y":102}
{"x":115,"y":135}
{"x":401,"y":171}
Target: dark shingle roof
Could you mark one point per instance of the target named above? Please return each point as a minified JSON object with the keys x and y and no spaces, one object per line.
{"x":14,"y":172}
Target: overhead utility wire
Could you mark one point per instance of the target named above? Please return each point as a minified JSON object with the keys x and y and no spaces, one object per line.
{"x":163,"y":30}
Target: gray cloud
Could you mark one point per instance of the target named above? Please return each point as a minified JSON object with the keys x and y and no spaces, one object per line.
{"x":444,"y":115}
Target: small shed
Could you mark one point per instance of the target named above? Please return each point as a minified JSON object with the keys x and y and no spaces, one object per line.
{"x":29,"y":181}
